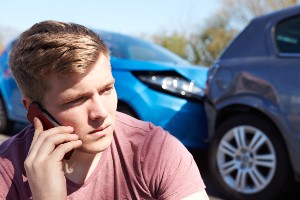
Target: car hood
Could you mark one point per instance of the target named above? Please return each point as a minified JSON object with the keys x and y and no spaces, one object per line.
{"x":196,"y":73}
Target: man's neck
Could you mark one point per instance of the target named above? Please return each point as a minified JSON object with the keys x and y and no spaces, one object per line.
{"x":80,"y":166}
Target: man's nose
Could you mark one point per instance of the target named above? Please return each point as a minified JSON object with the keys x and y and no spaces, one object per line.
{"x":98,"y":108}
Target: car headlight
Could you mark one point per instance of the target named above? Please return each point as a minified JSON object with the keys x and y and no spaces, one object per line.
{"x":171,"y":83}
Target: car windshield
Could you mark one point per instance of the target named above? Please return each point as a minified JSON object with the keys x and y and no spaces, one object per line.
{"x":122,"y":46}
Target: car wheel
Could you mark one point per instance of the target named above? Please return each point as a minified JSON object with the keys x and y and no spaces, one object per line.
{"x":5,"y":124}
{"x":248,"y":159}
{"x":127,"y":110}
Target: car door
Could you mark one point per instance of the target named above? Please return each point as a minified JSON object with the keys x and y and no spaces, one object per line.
{"x":285,"y":70}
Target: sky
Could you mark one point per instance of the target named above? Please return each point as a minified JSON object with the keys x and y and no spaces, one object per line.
{"x":134,"y":17}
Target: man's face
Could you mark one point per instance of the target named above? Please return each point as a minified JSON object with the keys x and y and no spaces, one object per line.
{"x":88,"y":103}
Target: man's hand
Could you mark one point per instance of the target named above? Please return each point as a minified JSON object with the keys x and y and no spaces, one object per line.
{"x":43,"y":164}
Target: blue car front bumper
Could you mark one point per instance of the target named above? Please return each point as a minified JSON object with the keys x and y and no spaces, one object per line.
{"x":184,"y":119}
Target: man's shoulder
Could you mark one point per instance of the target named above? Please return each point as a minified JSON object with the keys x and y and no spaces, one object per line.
{"x":13,"y":152}
{"x":146,"y":132}
{"x":126,"y":122}
{"x":17,"y":143}
{"x":134,"y":131}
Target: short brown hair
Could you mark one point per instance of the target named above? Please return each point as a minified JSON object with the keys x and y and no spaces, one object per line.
{"x":53,"y":47}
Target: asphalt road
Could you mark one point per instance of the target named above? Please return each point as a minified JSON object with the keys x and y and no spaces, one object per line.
{"x":201,"y":159}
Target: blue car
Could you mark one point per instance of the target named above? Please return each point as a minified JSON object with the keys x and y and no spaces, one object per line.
{"x":153,"y":84}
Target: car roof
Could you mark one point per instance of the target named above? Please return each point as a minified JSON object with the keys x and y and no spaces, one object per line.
{"x":251,"y":41}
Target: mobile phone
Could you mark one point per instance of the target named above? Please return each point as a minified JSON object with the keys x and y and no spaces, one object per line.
{"x":36,"y":110}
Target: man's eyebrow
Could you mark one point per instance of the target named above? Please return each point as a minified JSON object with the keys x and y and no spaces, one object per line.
{"x":71,"y":96}
{"x":110,"y":83}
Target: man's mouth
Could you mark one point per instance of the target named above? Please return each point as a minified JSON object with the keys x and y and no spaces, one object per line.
{"x":100,"y":132}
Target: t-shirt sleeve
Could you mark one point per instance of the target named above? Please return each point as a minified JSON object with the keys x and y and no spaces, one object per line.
{"x":13,"y":151}
{"x":7,"y":186}
{"x":169,"y":168}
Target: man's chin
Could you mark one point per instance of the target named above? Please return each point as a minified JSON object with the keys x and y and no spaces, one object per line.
{"x":91,"y":151}
{"x":94,"y":148}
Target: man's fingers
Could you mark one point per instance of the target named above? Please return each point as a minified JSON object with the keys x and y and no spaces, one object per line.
{"x":40,"y":137}
{"x":38,"y":125}
{"x":51,"y":142}
{"x":38,"y":129}
{"x":59,"y":153}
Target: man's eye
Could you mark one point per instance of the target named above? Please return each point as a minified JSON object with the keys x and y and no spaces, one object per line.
{"x":107,"y":90}
{"x":76,"y":101}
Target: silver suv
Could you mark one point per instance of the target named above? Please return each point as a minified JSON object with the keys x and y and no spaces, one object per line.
{"x":253,"y":109}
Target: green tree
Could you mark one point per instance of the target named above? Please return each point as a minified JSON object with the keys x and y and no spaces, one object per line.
{"x":208,"y":43}
{"x":1,"y":49}
{"x":234,"y":15}
{"x":1,"y":44}
{"x":242,"y":11}
{"x":205,"y":44}
{"x":176,"y":42}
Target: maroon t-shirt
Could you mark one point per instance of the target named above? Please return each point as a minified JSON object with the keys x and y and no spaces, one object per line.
{"x":143,"y":162}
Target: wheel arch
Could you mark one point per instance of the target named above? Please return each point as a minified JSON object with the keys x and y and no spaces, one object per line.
{"x":240,"y":109}
{"x":247,"y":104}
{"x":5,"y":106}
{"x":8,"y":123}
{"x":125,"y":105}
{"x":247,"y":114}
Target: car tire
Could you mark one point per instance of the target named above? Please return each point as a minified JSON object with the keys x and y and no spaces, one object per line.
{"x":122,"y":107}
{"x":6,"y":125}
{"x":248,"y":159}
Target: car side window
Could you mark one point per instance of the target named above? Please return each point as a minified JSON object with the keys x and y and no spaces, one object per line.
{"x":287,"y":36}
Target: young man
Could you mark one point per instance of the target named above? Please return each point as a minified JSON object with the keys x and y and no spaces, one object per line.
{"x":66,"y":68}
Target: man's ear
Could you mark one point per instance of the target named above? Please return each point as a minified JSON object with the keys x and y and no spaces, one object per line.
{"x":26,"y":102}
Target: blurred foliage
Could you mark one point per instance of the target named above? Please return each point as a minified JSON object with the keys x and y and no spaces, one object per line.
{"x":1,"y":43}
{"x":203,"y":46}
{"x":1,"y":49}
{"x":209,"y":43}
{"x":242,"y":11}
{"x":175,"y":42}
